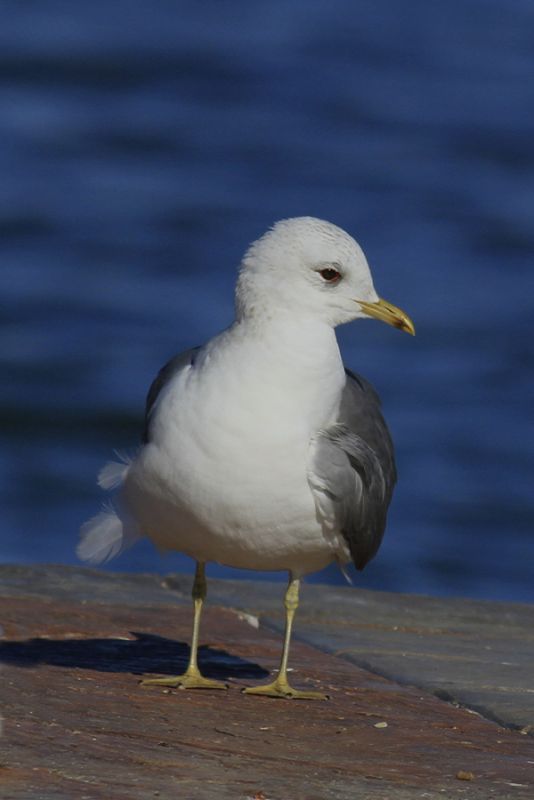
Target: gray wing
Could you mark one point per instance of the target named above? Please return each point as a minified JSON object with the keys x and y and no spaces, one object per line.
{"x":166,"y":373}
{"x":353,"y":471}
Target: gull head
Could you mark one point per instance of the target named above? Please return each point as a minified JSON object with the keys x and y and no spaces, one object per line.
{"x":308,"y":267}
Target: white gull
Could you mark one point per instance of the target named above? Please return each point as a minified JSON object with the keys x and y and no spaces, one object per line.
{"x":260,"y":450}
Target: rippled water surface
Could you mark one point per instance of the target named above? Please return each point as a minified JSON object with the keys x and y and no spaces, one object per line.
{"x":143,"y":146}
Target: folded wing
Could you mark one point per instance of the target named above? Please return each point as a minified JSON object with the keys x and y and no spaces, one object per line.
{"x":352,"y":471}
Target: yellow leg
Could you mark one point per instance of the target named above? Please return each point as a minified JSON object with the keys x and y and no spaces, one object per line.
{"x":280,"y":687}
{"x":192,"y":677}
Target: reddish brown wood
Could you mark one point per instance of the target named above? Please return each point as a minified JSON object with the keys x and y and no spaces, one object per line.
{"x":77,"y":724}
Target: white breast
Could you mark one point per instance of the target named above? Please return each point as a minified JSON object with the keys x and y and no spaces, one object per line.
{"x":225,"y":475}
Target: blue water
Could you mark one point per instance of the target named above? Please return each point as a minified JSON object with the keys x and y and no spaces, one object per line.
{"x":144,"y":145}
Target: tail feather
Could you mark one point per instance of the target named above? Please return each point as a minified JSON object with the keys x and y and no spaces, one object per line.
{"x":105,"y":536}
{"x":113,"y":474}
{"x":113,"y":530}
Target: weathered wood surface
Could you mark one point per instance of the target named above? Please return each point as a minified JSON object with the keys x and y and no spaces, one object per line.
{"x":78,"y":725}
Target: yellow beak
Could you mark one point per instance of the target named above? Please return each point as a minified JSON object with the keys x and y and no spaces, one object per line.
{"x":388,"y":313}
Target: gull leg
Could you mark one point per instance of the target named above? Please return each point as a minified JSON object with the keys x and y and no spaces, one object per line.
{"x":192,"y":677}
{"x":280,"y":687}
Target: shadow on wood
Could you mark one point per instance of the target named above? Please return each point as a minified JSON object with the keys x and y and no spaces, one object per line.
{"x":147,"y":653}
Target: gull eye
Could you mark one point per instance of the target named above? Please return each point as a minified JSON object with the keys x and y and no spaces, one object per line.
{"x":330,"y":275}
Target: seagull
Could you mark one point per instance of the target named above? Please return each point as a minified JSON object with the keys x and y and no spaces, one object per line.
{"x":260,"y":449}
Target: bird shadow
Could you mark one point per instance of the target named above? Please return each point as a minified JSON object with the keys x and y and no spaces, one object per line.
{"x":147,"y":653}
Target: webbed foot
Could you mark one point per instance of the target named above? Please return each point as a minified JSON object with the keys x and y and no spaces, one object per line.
{"x":281,"y":688}
{"x":189,"y":680}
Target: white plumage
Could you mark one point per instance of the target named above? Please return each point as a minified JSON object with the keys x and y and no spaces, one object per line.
{"x":227,"y":472}
{"x":260,"y":450}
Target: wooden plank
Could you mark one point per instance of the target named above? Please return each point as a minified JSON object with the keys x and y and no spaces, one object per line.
{"x":78,"y":724}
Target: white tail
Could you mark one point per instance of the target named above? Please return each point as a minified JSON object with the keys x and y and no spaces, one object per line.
{"x":105,"y":536}
{"x":101,"y":538}
{"x":113,"y":474}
